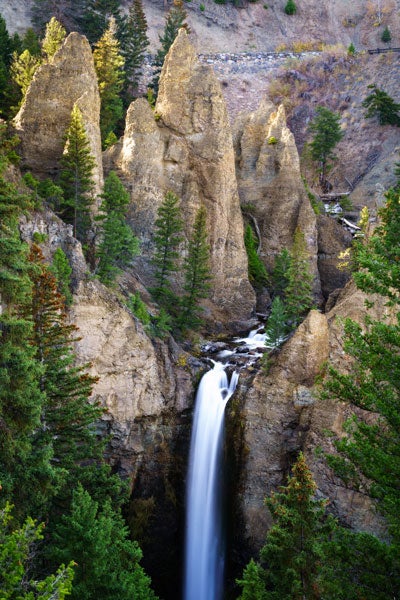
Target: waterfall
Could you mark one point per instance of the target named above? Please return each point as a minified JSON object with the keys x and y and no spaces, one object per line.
{"x":204,"y":564}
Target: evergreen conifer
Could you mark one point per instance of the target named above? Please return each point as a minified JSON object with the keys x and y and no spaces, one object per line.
{"x":290,"y":7}
{"x":95,"y":15}
{"x":23,"y":68}
{"x":167,"y":237}
{"x":118,"y":245}
{"x":276,"y":328}
{"x":54,"y":37}
{"x":76,"y":178}
{"x":379,"y":103}
{"x":197,"y":274}
{"x":298,"y":292}
{"x":133,"y":47}
{"x":109,"y":63}
{"x":279,"y":276}
{"x":386,"y":36}
{"x":62,"y":271}
{"x":174,"y":20}
{"x":326,"y":129}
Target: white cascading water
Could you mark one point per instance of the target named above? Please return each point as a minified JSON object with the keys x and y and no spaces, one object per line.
{"x":204,"y":551}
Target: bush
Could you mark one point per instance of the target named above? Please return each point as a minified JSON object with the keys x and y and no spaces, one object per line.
{"x":386,"y":36}
{"x":351,"y":49}
{"x":290,"y":8}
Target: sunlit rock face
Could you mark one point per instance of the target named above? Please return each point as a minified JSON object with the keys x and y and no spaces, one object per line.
{"x":270,"y":185}
{"x":45,"y":115}
{"x":185,"y":146}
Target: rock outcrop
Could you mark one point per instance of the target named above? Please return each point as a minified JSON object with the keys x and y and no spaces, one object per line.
{"x":45,"y":114}
{"x":185,"y":146}
{"x":282,"y":414}
{"x":270,"y":186}
{"x":333,"y":239}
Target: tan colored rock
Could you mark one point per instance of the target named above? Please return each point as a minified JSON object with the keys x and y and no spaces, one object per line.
{"x":185,"y":146}
{"x":333,"y":239}
{"x":45,"y":114}
{"x":284,"y":414}
{"x":270,"y":185}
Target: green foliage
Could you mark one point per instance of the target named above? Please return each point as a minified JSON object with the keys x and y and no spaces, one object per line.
{"x":109,"y":64}
{"x":16,"y":545}
{"x":197,"y":274}
{"x":276,"y":328}
{"x":162,"y":324}
{"x":30,"y":42}
{"x":54,"y":37}
{"x":62,"y":271}
{"x":298,"y":292}
{"x":351,"y":50}
{"x":327,"y":134}
{"x":279,"y":276}
{"x":76,"y":178}
{"x":293,"y":553}
{"x":118,"y":245}
{"x":257,"y":271}
{"x":107,"y":561}
{"x":252,"y":583}
{"x":23,"y":69}
{"x":95,"y":15}
{"x":139,"y":309}
{"x":290,"y":7}
{"x":134,"y":43}
{"x":174,"y":20}
{"x":316,"y":204}
{"x":379,"y":103}
{"x":386,"y":36}
{"x":272,"y":140}
{"x":167,"y":237}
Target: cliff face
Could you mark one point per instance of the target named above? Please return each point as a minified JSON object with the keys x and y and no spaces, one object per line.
{"x":282,"y":414}
{"x":45,"y":114}
{"x":185,"y":146}
{"x":270,"y":186}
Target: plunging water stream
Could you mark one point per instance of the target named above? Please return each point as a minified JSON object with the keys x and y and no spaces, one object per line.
{"x":204,"y":565}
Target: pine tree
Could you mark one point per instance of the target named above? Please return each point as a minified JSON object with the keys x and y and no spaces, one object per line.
{"x":76,"y":176}
{"x":62,"y":271}
{"x":118,"y":245}
{"x":6,"y":50}
{"x":386,"y":36}
{"x":298,"y":292}
{"x":197,"y":274}
{"x":290,"y":8}
{"x":279,"y":276}
{"x":20,"y":395}
{"x":23,"y":68}
{"x":174,"y":20}
{"x":327,"y":134}
{"x":30,"y":42}
{"x":16,"y":547}
{"x":54,"y":37}
{"x":253,"y":583}
{"x":373,"y":384}
{"x":109,"y":63}
{"x":167,"y":237}
{"x":276,"y":328}
{"x":379,"y":103}
{"x":107,"y":561}
{"x":95,"y":16}
{"x":133,"y":47}
{"x":292,"y":553}
{"x":257,"y":271}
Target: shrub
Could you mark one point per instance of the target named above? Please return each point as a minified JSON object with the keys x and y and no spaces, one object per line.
{"x":351,"y":49}
{"x":290,"y":8}
{"x":272,"y":141}
{"x":202,"y":7}
{"x":386,"y":36}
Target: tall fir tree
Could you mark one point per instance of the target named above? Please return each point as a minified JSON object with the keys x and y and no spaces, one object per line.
{"x":298,"y":295}
{"x":197,"y":274}
{"x":292,"y":556}
{"x":95,"y":15}
{"x":62,"y":271}
{"x":76,"y":177}
{"x":109,"y":64}
{"x":379,"y":103}
{"x":276,"y":327}
{"x":167,"y":237}
{"x":20,"y":395}
{"x":175,"y":19}
{"x":372,"y":445}
{"x":326,"y":131}
{"x":107,"y":561}
{"x":279,"y":276}
{"x":118,"y":245}
{"x":55,"y":35}
{"x":16,"y":545}
{"x":134,"y":43}
{"x":23,"y":68}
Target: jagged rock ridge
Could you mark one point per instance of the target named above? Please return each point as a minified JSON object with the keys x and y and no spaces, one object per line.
{"x":186,"y":146}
